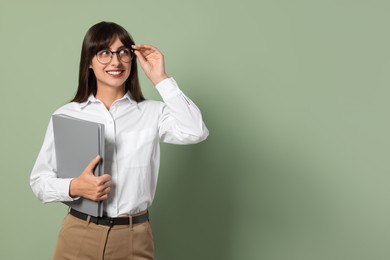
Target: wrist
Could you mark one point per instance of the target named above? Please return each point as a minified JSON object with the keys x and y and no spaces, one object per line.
{"x":73,"y":188}
{"x":157,"y":80}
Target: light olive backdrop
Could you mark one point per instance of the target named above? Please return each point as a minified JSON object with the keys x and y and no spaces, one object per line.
{"x":295,"y":94}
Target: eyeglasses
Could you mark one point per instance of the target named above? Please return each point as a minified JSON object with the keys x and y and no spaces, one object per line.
{"x":124,"y":55}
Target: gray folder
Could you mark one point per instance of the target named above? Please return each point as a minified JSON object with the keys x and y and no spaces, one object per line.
{"x":77,"y":142}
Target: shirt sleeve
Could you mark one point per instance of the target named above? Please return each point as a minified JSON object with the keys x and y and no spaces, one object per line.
{"x":43,"y":179}
{"x":181,"y":120}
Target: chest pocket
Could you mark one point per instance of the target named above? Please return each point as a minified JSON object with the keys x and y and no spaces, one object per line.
{"x":135,"y":149}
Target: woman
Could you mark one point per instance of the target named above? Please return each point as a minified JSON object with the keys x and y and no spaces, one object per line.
{"x":109,"y":93}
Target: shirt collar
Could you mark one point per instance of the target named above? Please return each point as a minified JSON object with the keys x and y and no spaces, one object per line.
{"x":128,"y":97}
{"x":93,"y":99}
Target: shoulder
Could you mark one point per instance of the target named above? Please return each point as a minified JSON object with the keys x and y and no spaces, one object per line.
{"x":65,"y":109}
{"x":68,"y":108}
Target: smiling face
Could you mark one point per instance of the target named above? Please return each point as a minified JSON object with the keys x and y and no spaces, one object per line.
{"x":113,"y":74}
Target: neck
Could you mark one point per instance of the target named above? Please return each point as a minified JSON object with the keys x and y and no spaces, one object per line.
{"x":109,"y":95}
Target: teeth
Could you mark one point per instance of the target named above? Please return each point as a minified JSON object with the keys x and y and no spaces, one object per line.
{"x":114,"y":72}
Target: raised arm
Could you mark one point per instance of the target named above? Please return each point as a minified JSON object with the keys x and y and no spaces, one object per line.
{"x":152,"y":62}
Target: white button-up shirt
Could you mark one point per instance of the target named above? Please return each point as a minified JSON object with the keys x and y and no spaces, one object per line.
{"x":132,"y":152}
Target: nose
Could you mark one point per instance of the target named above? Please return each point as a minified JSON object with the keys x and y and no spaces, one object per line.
{"x":115,"y":59}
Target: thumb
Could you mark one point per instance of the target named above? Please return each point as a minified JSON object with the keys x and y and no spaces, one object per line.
{"x":92,"y":164}
{"x":140,"y":57}
{"x":144,"y":63}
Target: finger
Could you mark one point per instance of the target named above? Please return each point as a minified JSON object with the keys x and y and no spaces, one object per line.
{"x":106,"y":190}
{"x":146,"y":49}
{"x":143,"y":46}
{"x":106,"y":185}
{"x":140,"y":57}
{"x":146,"y":66}
{"x":104,"y":193}
{"x":104,"y":197}
{"x":93,"y":164}
{"x":105,"y":177}
{"x":103,"y":182}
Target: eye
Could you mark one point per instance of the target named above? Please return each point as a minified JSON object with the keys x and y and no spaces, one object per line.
{"x":124,"y":52}
{"x":104,"y":53}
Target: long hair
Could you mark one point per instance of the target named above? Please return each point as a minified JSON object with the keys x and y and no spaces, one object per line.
{"x":99,"y":37}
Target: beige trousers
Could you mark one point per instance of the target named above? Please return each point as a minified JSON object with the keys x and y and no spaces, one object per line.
{"x":81,"y":240}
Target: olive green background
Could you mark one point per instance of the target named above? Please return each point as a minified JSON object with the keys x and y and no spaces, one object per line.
{"x":294,"y":93}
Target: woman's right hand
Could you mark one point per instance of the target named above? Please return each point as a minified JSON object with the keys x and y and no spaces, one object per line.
{"x":89,"y":186}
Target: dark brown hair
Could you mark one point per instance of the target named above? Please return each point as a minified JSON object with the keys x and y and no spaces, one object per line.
{"x":99,"y":37}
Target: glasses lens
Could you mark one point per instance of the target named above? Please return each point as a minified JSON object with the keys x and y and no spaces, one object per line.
{"x":104,"y":56}
{"x":125,"y":55}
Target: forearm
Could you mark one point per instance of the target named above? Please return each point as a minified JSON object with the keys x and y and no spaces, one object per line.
{"x":50,"y":189}
{"x":43,"y":179}
{"x":181,"y":118}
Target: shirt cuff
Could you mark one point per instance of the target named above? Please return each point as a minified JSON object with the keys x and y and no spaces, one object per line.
{"x":168,"y":88}
{"x":65,"y":185}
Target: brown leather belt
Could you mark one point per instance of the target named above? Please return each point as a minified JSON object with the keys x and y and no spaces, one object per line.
{"x":107,"y":221}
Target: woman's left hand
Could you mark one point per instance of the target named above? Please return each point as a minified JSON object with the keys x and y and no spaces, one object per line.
{"x":152,"y":62}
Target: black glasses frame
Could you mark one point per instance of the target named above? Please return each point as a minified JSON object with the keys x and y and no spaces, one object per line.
{"x":117,"y":54}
